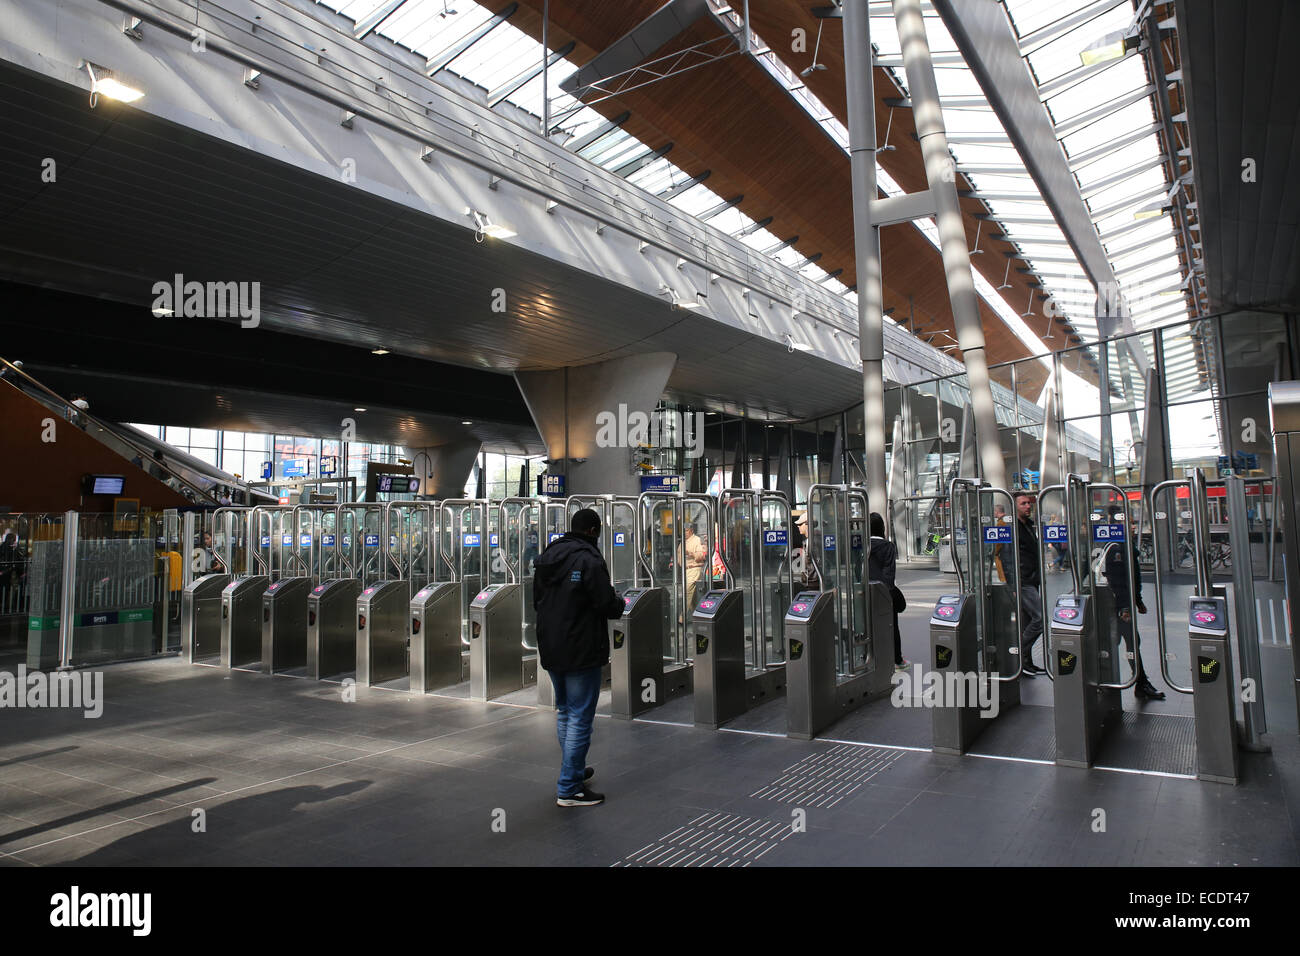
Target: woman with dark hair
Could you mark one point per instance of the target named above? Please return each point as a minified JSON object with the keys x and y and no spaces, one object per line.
{"x":882,"y":565}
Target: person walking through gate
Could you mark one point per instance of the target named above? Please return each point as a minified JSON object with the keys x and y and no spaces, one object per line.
{"x":1117,"y":579}
{"x":574,"y":599}
{"x":1031,"y":602}
{"x":882,"y":565}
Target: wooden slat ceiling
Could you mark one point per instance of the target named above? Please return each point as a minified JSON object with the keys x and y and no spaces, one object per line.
{"x":732,"y":118}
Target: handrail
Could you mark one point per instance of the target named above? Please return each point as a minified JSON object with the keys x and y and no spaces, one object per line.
{"x":223,"y":511}
{"x":143,"y":451}
{"x":1161,"y":638}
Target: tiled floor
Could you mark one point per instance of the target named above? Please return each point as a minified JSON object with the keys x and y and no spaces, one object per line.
{"x":286,"y":772}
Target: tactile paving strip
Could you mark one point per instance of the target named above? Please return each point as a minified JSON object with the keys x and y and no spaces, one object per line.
{"x":824,"y":779}
{"x":712,"y":839}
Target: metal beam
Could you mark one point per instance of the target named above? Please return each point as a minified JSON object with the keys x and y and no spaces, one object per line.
{"x":1059,"y":28}
{"x":958,"y":273}
{"x":753,"y":227}
{"x":1076,"y":123}
{"x":720,"y":208}
{"x":983,"y":32}
{"x":680,"y":188}
{"x":773,"y":250}
{"x":371,"y":23}
{"x":519,"y":79}
{"x":444,"y":59}
{"x":642,"y":160}
{"x":604,"y":129}
{"x":1079,"y":160}
{"x":637,"y":45}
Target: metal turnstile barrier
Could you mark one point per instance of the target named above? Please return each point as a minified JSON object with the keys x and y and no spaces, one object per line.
{"x":284,"y":624}
{"x":1213,"y":699}
{"x":332,"y":627}
{"x":438,"y":657}
{"x":201,"y":617}
{"x":383,"y":611}
{"x":1086,"y":702}
{"x":496,"y":651}
{"x":718,"y":639}
{"x":639,"y":679}
{"x":954,"y":650}
{"x":241,"y":621}
{"x":817,"y":695}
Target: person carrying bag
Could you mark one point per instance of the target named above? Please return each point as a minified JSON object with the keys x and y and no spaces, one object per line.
{"x":883,"y":566}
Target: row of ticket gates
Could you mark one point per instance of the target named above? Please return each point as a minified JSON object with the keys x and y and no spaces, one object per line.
{"x":452,"y":633}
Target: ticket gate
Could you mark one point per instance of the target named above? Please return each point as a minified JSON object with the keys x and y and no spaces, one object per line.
{"x":639,"y":680}
{"x":241,"y":621}
{"x":332,"y":627}
{"x":496,"y":652}
{"x":817,"y":695}
{"x":201,"y":617}
{"x":438,"y":657}
{"x":723,"y":689}
{"x":1086,"y":696}
{"x":1212,"y":695}
{"x":954,"y":650}
{"x":383,"y":612}
{"x":284,"y":624}
{"x":1213,"y":687}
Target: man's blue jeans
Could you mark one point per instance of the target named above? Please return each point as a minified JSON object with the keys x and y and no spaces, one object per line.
{"x":576,"y":694}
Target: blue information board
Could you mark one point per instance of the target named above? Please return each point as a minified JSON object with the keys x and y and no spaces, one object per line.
{"x":660,"y":484}
{"x":1107,"y":532}
{"x":266,"y":540}
{"x":304,"y":541}
{"x":297,"y":468}
{"x":347,"y":541}
{"x":620,"y":539}
{"x":371,"y":541}
{"x":473,"y":540}
{"x":329,"y":465}
{"x":494,"y":540}
{"x":1056,"y":533}
{"x":327,"y":540}
{"x":551,"y":485}
{"x":997,"y":534}
{"x":777,"y":537}
{"x":267,"y":470}
{"x":553,"y":536}
{"x":855,"y":542}
{"x":286,"y":540}
{"x":828,"y":542}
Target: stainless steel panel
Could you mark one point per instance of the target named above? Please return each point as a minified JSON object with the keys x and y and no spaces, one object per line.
{"x":436,"y":648}
{"x":284,"y":624}
{"x":201,"y":617}
{"x":718,"y":634}
{"x":332,"y":627}
{"x":636,"y":661}
{"x":383,"y":618}
{"x":496,"y":651}
{"x":241,"y":621}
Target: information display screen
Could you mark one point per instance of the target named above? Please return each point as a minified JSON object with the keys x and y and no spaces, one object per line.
{"x":104,"y":484}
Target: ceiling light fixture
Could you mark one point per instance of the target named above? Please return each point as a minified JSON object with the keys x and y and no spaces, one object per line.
{"x":379,"y":351}
{"x":467,"y":423}
{"x":358,"y":409}
{"x":1112,"y":46}
{"x":484,"y":226}
{"x":105,"y":81}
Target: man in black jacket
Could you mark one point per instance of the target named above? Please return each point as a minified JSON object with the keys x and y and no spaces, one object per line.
{"x":574,"y":601}
{"x":1031,"y":601}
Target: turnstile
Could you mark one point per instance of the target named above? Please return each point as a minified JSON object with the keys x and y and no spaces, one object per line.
{"x":496,"y":650}
{"x":201,"y":617}
{"x":954,"y":648}
{"x":816,"y":695}
{"x":241,"y":621}
{"x":332,"y":627}
{"x":638,"y":678}
{"x":722,"y":690}
{"x":1084,"y":707}
{"x":438,"y":656}
{"x":284,"y":624}
{"x":1212,"y":690}
{"x":383,"y":612}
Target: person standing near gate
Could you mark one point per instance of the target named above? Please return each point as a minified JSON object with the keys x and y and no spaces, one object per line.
{"x":1116,"y":570}
{"x":1031,"y":602}
{"x":574,"y":600}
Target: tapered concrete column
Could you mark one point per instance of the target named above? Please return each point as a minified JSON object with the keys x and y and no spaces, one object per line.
{"x":444,"y":469}
{"x":573,"y":407}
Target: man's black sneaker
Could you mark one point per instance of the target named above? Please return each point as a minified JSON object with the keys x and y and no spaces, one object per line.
{"x":1145,"y":690}
{"x":1032,"y":670}
{"x":588,"y":774}
{"x":583,"y":798}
